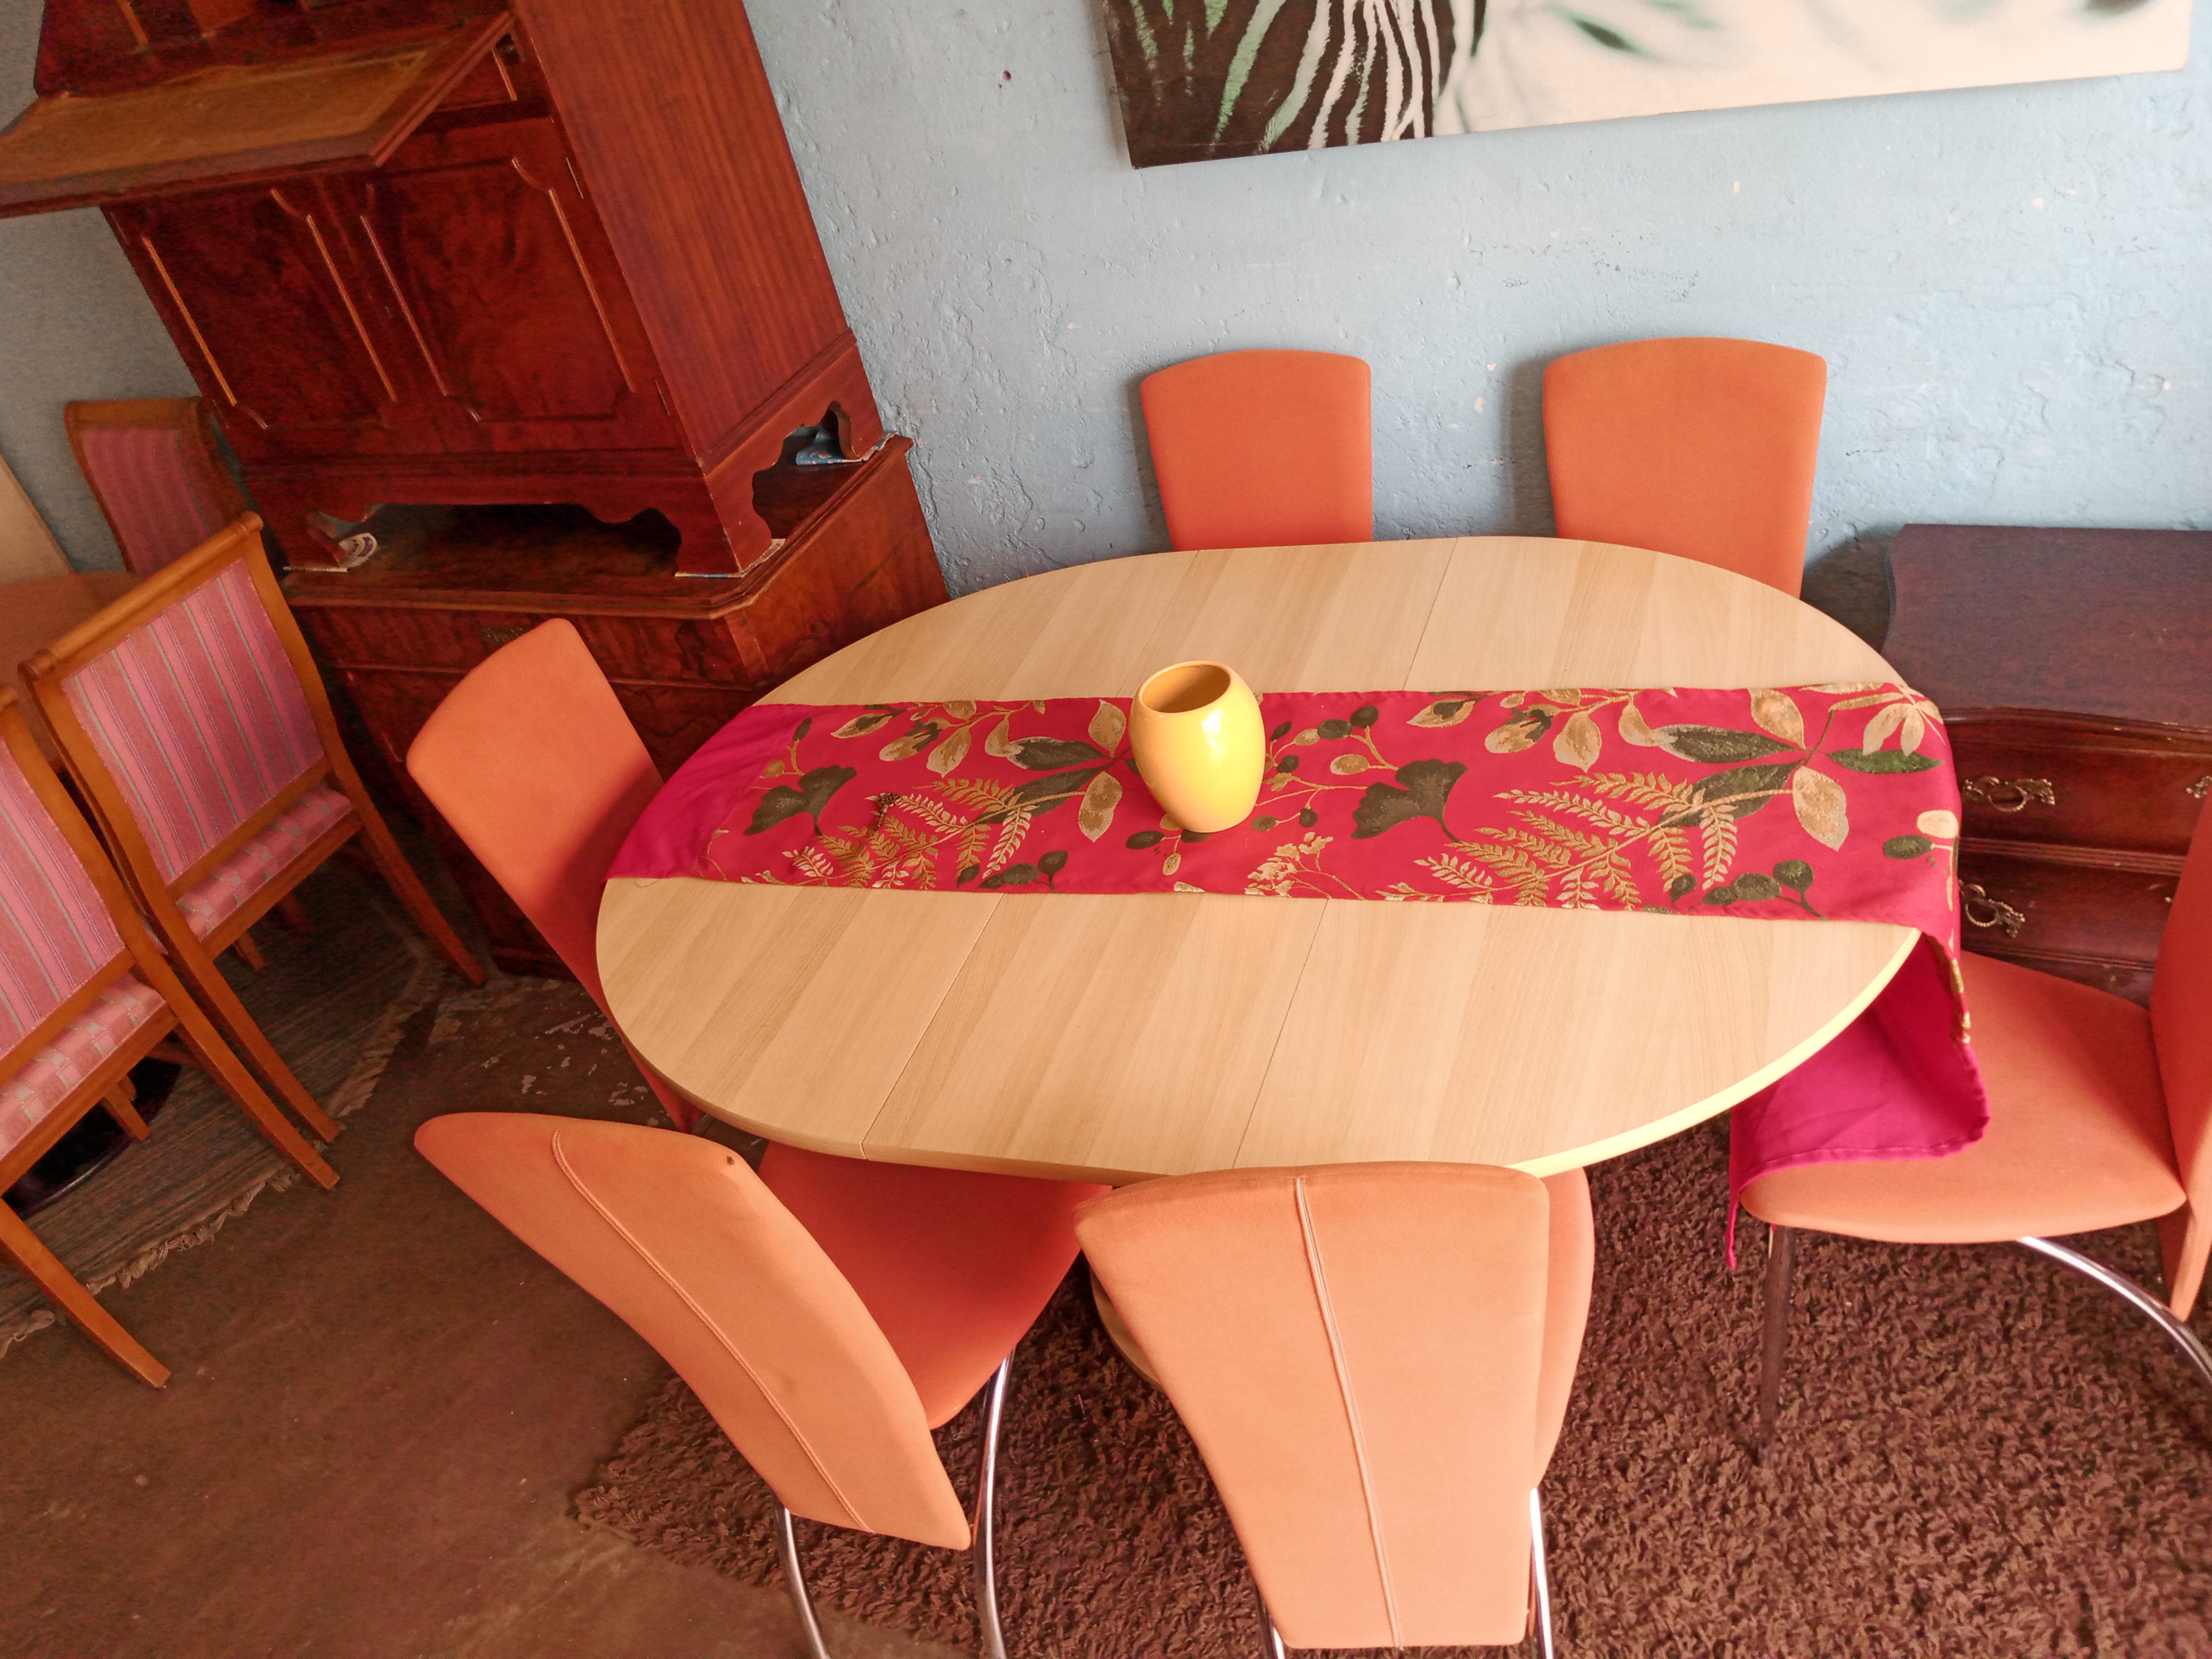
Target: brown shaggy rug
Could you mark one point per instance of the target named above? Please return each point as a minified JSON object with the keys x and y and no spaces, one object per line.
{"x":1982,"y":1455}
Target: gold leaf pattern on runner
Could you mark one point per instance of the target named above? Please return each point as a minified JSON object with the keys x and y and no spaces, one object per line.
{"x":1634,"y":728}
{"x":1886,"y":721}
{"x":1107,"y":727}
{"x":1779,"y":715}
{"x":1001,"y":743}
{"x":949,"y":753}
{"x":1579,"y":742}
{"x":1820,"y":809}
{"x":1939,"y":823}
{"x":1096,"y":815}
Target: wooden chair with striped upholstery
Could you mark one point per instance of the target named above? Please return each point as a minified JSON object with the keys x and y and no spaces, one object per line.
{"x":84,"y":995}
{"x":156,"y":472}
{"x":196,"y":726}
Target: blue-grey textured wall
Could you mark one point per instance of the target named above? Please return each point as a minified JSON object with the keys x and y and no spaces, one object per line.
{"x":2010,"y":286}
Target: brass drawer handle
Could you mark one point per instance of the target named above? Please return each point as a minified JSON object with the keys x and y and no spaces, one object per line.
{"x":495,"y":637}
{"x":1994,"y":913}
{"x":2009,"y":794}
{"x":2199,"y":789}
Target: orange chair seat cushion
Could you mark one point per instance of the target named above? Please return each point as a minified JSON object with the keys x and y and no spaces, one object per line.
{"x":2077,"y":1137}
{"x":216,"y":897}
{"x":954,"y":1264}
{"x":32,"y":1095}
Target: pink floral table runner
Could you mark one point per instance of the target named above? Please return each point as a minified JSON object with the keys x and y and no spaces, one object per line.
{"x":1833,"y":801}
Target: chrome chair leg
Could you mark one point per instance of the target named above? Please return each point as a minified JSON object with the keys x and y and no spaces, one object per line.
{"x":1774,"y":1345}
{"x":986,"y":1483}
{"x":1547,"y":1646}
{"x":795,"y":1581}
{"x":1274,"y":1648}
{"x":2128,"y":1290}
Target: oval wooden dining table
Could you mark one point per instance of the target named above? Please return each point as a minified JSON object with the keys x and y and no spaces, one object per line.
{"x":1112,"y":1037}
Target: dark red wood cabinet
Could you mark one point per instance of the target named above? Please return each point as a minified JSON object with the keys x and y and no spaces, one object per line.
{"x":435,"y":252}
{"x":2073,"y":668}
{"x":533,"y":296}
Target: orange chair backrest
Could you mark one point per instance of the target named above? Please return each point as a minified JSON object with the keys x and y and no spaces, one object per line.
{"x":1356,"y":1350}
{"x":2181,"y":1021}
{"x":1699,"y":447}
{"x":532,"y":762}
{"x":678,"y":1236}
{"x":1263,"y":449}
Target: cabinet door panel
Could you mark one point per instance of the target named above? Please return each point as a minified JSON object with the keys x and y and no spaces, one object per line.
{"x":510,"y":293}
{"x":257,"y":298}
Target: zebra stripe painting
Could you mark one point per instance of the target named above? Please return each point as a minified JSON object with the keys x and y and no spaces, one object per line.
{"x":1202,"y":80}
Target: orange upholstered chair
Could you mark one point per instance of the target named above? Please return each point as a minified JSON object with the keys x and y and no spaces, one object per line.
{"x":85,"y":994}
{"x":533,"y":764}
{"x":155,"y":470}
{"x":1701,"y":448}
{"x":826,"y":1359}
{"x":1263,"y":449}
{"x":194,"y":719}
{"x":2101,"y":1116}
{"x":1374,"y":1361}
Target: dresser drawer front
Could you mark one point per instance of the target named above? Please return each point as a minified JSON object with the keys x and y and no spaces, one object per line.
{"x":2085,"y":789}
{"x":2015,"y":904}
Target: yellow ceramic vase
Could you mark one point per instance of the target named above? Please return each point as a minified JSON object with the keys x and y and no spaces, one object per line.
{"x":1196,"y":731}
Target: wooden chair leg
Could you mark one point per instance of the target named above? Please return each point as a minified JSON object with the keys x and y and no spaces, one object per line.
{"x":216,"y":995}
{"x":213,"y":1056}
{"x":248,"y":952}
{"x":124,"y":1109}
{"x":295,"y":913}
{"x":400,"y":877}
{"x":21,"y":1246}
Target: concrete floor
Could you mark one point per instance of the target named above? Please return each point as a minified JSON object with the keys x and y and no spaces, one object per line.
{"x":382,"y":1404}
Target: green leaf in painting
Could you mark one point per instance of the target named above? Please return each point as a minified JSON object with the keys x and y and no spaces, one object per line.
{"x":1145,"y":838}
{"x":1715,"y":746}
{"x":809,"y":796}
{"x":1882,"y":760}
{"x":1014,"y":875}
{"x":1053,"y":863}
{"x":1365,"y":715}
{"x":1751,"y":886}
{"x":1279,"y":732}
{"x":968,"y":873}
{"x":1794,"y":873}
{"x":1050,"y":754}
{"x":799,"y":732}
{"x":1682,"y":884}
{"x":1331,"y":731}
{"x":1425,"y":786}
{"x":1308,"y":817}
{"x":1906,"y":846}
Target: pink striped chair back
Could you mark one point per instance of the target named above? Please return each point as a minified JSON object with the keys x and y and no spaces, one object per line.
{"x":55,"y":933}
{"x":198,"y":715}
{"x":153,"y":484}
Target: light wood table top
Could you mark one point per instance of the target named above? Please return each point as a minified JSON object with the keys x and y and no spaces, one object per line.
{"x":1117,"y":1037}
{"x":37,"y":612}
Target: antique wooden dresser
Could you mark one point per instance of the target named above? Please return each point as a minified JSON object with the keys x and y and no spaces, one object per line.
{"x":529,"y":301}
{"x":2073,"y":668}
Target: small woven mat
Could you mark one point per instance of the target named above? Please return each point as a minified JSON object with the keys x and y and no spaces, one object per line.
{"x":1981,"y":1454}
{"x":332,"y":1003}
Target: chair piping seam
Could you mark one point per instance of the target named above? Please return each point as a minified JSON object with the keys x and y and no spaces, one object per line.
{"x":729,"y":1347}
{"x":1351,"y":1405}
